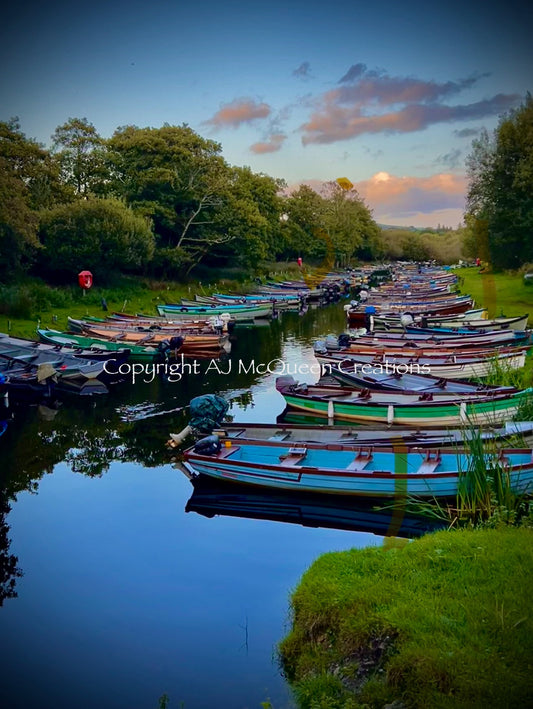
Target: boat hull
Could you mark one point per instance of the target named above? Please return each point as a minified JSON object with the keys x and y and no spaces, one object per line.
{"x":388,"y":474}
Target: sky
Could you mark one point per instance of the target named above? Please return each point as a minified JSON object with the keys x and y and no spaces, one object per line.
{"x":389,"y":95}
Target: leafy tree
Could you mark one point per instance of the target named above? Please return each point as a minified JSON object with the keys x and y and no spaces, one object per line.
{"x":101,"y":235}
{"x":80,"y":154}
{"x":500,"y":195}
{"x":414,"y":248}
{"x":303,"y":226}
{"x":18,"y":223}
{"x":175,"y":177}
{"x":250,"y":216}
{"x":29,"y":162}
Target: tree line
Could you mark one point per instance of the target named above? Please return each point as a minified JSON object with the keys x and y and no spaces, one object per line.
{"x":499,"y":210}
{"x":159,"y":201}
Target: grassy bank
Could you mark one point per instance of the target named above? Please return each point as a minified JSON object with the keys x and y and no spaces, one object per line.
{"x":499,"y":292}
{"x":33,"y":303}
{"x":443,"y":621}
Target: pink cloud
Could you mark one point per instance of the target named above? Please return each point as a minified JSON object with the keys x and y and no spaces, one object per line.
{"x":333,"y":122}
{"x":243,"y":110}
{"x":416,"y":201}
{"x":271,"y":145}
{"x":402,"y":196}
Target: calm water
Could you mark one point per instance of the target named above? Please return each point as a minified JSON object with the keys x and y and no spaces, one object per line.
{"x":124,"y":595}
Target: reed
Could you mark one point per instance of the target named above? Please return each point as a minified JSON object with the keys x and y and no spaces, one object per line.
{"x":485,"y":497}
{"x":484,"y":492}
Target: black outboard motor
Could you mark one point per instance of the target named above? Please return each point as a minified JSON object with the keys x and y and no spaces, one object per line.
{"x":344,"y":340}
{"x":176,"y":342}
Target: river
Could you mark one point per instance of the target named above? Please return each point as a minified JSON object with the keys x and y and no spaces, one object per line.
{"x":124,"y":596}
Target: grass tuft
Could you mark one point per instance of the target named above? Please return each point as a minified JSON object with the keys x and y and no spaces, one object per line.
{"x":449,"y":613}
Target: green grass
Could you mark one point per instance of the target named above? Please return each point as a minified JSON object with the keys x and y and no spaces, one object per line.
{"x":499,"y":292}
{"x":443,"y":621}
{"x":33,"y":303}
{"x":502,"y":294}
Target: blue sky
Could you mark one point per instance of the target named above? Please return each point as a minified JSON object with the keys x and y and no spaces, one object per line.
{"x":387,"y":94}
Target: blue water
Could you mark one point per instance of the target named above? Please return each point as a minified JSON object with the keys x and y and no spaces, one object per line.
{"x":125,"y":596}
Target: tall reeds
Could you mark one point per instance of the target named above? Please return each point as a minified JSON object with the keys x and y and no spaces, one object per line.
{"x":484,"y":492}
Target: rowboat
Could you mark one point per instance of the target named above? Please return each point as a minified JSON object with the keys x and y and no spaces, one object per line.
{"x":187,"y":344}
{"x":237,"y":312}
{"x":138,"y":353}
{"x":453,"y":323}
{"x":375,"y":436}
{"x":349,"y":469}
{"x":282,"y":302}
{"x":392,"y":320}
{"x":432,"y":409}
{"x":192,"y":327}
{"x":212,"y":497}
{"x":216,"y":322}
{"x":348,"y":373}
{"x":461,"y":366}
{"x":447,"y":339}
{"x":19,"y":352}
{"x":357,"y":317}
{"x":430,"y":351}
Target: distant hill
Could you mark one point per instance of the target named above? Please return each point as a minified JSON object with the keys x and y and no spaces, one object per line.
{"x":403,"y":228}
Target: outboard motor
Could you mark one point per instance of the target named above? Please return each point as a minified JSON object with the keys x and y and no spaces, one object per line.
{"x":228,"y":323}
{"x":176,"y":342}
{"x":207,"y":412}
{"x":344,"y":340}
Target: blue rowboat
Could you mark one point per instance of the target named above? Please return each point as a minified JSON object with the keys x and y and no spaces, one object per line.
{"x":237,"y":312}
{"x":354,"y":470}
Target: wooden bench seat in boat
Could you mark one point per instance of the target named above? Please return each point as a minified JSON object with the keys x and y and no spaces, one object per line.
{"x":361,"y":460}
{"x":279,"y":436}
{"x":226,"y":452}
{"x":293,"y":456}
{"x":430,"y":463}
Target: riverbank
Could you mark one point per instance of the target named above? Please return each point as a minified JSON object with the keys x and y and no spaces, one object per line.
{"x":33,"y":303}
{"x":504,"y":292}
{"x":443,"y":621}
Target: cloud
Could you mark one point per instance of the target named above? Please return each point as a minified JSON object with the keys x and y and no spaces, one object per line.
{"x":303,"y":71}
{"x":271,"y":145}
{"x":386,"y":90}
{"x":354,"y":72}
{"x":417,"y":201}
{"x":239,"y":111}
{"x":334,"y":122}
{"x":398,"y":197}
{"x":467,"y":132}
{"x":451,"y":159}
{"x":372,"y":101}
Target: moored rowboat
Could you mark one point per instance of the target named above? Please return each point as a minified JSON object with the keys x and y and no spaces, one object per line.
{"x":428,"y":410}
{"x":353,"y":470}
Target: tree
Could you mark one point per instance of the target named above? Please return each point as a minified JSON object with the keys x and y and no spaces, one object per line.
{"x":101,"y":235}
{"x":414,"y":248}
{"x":250,"y":215}
{"x":500,"y":194}
{"x":18,"y":223}
{"x":29,"y":162}
{"x":178,"y":179}
{"x":303,"y":225}
{"x":79,"y":151}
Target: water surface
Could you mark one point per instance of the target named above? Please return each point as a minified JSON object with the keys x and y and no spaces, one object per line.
{"x":124,"y":595}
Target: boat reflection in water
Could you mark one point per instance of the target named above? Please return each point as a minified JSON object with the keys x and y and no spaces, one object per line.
{"x":217,"y":497}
